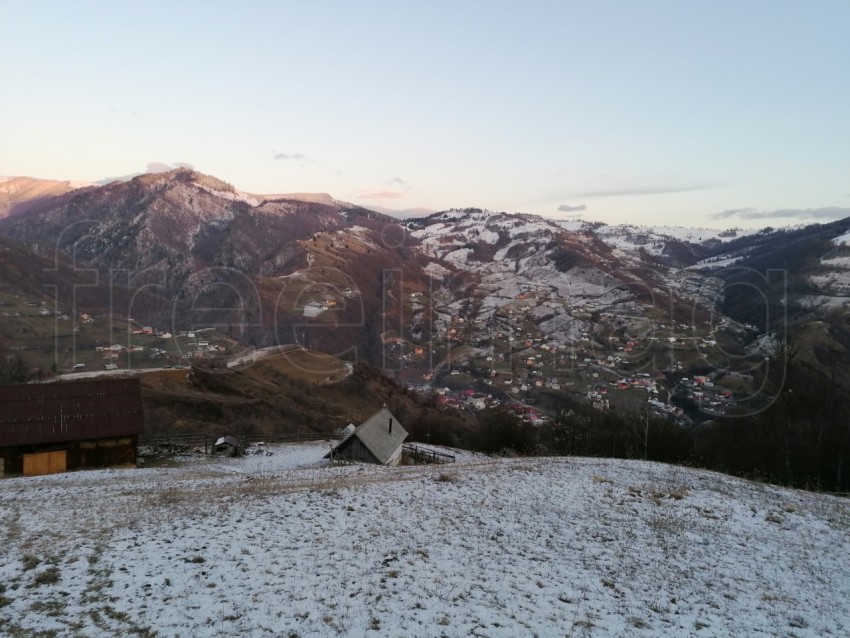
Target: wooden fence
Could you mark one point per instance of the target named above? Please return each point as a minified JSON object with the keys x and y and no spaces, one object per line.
{"x":428,"y":455}
{"x":177,"y":442}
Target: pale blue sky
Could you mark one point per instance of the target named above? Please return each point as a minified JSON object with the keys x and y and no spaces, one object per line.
{"x":651,"y":112}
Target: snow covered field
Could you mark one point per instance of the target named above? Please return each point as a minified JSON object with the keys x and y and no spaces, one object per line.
{"x":280,"y":546}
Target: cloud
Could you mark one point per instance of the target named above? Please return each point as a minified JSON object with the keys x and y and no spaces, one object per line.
{"x":152,"y":167}
{"x":117,"y":178}
{"x":566,"y":208}
{"x":295,"y":157}
{"x":161,"y":167}
{"x":825,"y":213}
{"x":645,"y":190}
{"x":391,"y":193}
{"x":380,"y":195}
{"x":398,"y":182}
{"x":732,"y":212}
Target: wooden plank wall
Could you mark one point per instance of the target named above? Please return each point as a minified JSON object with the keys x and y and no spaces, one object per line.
{"x":45,"y":463}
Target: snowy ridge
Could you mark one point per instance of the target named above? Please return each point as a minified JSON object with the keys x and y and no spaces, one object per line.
{"x":16,"y":184}
{"x":361,"y":233}
{"x":520,"y":273}
{"x":655,"y":240}
{"x":516,"y":258}
{"x":833,"y":280}
{"x":274,"y":545}
{"x":234,"y":196}
{"x":680,"y":233}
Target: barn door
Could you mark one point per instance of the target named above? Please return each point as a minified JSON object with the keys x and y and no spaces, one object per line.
{"x":45,"y":463}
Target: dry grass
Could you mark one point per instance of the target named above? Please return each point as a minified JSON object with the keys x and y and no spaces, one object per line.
{"x":30,"y":562}
{"x":658,"y":495}
{"x":678,"y":494}
{"x":48,"y":577}
{"x":310,"y":366}
{"x":446,"y":477}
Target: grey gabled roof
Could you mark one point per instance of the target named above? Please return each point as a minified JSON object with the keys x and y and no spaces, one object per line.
{"x":375,"y":435}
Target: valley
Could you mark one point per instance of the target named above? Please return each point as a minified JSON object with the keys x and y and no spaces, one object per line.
{"x":467,"y":310}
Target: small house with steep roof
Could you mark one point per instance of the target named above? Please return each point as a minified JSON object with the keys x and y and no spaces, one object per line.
{"x":378,"y":439}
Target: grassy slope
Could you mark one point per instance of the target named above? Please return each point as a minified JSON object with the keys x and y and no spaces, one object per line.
{"x":288,"y":393}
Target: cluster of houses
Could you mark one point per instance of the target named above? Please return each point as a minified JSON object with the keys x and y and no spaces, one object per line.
{"x":465,"y":399}
{"x":196,"y":347}
{"x":113,"y":353}
{"x":510,"y":353}
{"x":704,"y":391}
{"x":43,"y":311}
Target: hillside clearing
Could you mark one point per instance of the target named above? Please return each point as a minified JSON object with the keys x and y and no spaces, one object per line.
{"x":277,"y":545}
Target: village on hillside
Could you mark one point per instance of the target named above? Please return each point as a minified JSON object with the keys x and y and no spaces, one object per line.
{"x":608,"y":358}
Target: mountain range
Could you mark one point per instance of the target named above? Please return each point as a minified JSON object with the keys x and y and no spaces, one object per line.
{"x":510,"y":303}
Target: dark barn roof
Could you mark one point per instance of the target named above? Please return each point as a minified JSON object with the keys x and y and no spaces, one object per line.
{"x":77,"y":411}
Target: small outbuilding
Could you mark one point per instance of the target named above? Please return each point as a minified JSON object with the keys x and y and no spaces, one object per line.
{"x":227,"y":445}
{"x":378,"y":439}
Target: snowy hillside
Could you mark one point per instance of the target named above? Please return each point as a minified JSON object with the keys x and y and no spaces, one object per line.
{"x":557,"y":274}
{"x":275,"y":545}
{"x":513,"y":257}
{"x":679,"y":233}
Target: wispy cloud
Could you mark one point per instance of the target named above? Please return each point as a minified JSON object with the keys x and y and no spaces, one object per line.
{"x":398,"y":182}
{"x":566,"y":208}
{"x":732,"y":212}
{"x":298,"y":158}
{"x":825,"y":213}
{"x":381,"y":195}
{"x":646,"y":190}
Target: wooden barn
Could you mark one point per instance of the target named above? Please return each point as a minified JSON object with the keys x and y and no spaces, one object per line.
{"x":377,"y":440}
{"x":55,"y":427}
